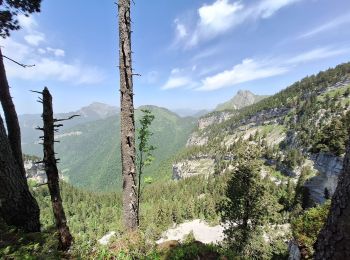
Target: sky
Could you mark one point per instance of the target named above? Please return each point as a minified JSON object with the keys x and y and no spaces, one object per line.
{"x":190,"y":54}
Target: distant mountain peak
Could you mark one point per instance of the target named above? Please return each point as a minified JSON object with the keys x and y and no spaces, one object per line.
{"x":98,"y":109}
{"x":242,"y":99}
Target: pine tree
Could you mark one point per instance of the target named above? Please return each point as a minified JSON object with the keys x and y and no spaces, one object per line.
{"x":248,"y":204}
{"x":145,"y":150}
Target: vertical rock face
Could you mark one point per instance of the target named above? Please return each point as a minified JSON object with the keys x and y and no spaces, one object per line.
{"x":329,"y":168}
{"x":216,"y":118}
{"x":333,"y":241}
{"x":294,"y":252}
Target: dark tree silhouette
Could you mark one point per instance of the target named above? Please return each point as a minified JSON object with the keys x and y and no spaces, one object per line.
{"x":64,"y":236}
{"x":127,"y":136}
{"x":14,"y":132}
{"x":17,"y":205}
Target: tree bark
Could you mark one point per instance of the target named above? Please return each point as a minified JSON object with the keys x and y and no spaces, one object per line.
{"x":17,"y":205}
{"x":13,"y":129}
{"x":64,"y":236}
{"x":127,"y":118}
{"x":334,"y":240}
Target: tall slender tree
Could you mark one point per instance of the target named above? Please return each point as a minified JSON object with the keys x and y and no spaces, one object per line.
{"x":127,"y":137}
{"x":145,"y":150}
{"x":333,"y":241}
{"x":9,"y":9}
{"x":64,"y":236}
{"x":14,"y":132}
{"x":17,"y":205}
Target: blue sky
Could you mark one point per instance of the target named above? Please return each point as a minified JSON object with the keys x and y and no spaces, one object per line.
{"x":191,"y":54}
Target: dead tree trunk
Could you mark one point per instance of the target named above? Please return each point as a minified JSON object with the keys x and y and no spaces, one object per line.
{"x":127,"y":136}
{"x":14,"y":132}
{"x":17,"y":205}
{"x":334,"y":240}
{"x":65,"y":238}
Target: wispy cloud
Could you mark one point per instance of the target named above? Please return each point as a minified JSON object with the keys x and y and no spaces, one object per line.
{"x":47,"y":68}
{"x":27,"y":22}
{"x":35,"y":38}
{"x":254,"y":69}
{"x":178,"y":78}
{"x":340,"y":21}
{"x":250,"y":69}
{"x":176,"y":82}
{"x":317,"y":54}
{"x":49,"y":63}
{"x":223,"y":15}
{"x":56,"y":52}
{"x":246,"y":71}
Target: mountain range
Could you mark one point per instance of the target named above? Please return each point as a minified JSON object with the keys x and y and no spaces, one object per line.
{"x":89,"y":146}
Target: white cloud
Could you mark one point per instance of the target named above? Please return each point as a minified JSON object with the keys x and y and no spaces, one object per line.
{"x":27,"y":22}
{"x":14,"y":49}
{"x":246,"y":71}
{"x":317,"y":54}
{"x":47,"y":65}
{"x":222,"y":15}
{"x":251,"y":69}
{"x":181,"y":30}
{"x":56,"y":52}
{"x":342,"y":20}
{"x":34,"y":39}
{"x":46,"y":68}
{"x":176,"y":82}
{"x":41,"y":51}
{"x":267,"y":8}
{"x":49,"y":69}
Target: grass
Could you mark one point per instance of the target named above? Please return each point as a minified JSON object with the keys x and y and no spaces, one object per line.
{"x":15,"y":244}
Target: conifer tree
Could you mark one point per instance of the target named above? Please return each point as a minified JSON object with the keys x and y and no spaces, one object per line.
{"x":248,"y":204}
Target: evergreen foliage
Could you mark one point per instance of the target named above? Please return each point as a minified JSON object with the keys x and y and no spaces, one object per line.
{"x":248,"y":206}
{"x":9,"y":11}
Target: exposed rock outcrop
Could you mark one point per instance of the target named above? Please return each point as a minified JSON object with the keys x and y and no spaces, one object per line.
{"x":329,"y":168}
{"x":35,"y":171}
{"x":193,"y":167}
{"x":294,"y":251}
{"x":196,"y":139}
{"x":214,"y":118}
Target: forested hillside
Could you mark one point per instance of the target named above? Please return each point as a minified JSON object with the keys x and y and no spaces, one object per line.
{"x":90,"y":152}
{"x":295,"y":167}
{"x":301,"y":133}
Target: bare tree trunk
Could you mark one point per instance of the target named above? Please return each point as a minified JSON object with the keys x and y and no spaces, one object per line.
{"x":65,"y":238}
{"x":127,"y":117}
{"x":14,"y":132}
{"x":334,"y":240}
{"x":17,"y":205}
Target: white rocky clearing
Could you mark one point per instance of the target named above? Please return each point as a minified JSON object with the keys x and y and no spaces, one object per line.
{"x":201,"y":230}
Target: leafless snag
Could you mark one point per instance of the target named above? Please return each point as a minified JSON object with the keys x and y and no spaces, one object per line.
{"x":50,"y":161}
